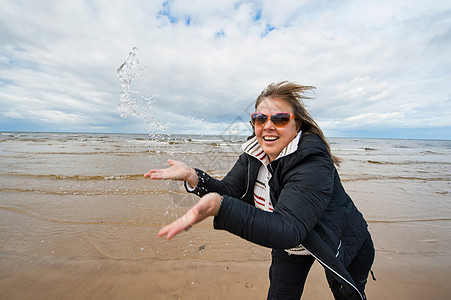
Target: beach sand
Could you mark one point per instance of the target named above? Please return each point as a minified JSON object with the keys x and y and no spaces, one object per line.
{"x":397,"y":277}
{"x":52,"y":256}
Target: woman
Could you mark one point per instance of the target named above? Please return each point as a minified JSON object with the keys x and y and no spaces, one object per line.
{"x":285,"y":193}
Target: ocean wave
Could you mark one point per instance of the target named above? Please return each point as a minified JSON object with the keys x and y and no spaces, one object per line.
{"x":409,"y":220}
{"x":402,"y":147}
{"x":215,"y":172}
{"x":163,"y":151}
{"x":95,"y":152}
{"x":429,"y":152}
{"x":409,"y":162}
{"x":77,"y":177}
{"x":385,"y":177}
{"x":97,"y":192}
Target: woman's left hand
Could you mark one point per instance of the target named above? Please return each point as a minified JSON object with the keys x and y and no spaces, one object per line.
{"x":207,"y":206}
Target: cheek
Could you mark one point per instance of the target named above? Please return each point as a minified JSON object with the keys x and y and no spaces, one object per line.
{"x":289,"y":134}
{"x":258,"y":131}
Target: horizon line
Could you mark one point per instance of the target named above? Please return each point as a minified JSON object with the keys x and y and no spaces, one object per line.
{"x":211,"y":134}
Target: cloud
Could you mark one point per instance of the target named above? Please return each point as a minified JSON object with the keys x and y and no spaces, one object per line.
{"x":376,"y":65}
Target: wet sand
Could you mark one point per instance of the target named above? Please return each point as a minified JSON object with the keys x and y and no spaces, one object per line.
{"x":86,"y":251}
{"x":398,"y":277}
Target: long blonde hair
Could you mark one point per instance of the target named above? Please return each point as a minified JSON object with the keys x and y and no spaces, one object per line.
{"x":294,"y":94}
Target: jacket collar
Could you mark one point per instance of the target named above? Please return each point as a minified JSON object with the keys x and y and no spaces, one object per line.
{"x":253,"y":148}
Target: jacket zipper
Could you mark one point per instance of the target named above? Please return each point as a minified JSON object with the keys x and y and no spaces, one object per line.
{"x":336,"y":273}
{"x":248,"y":177}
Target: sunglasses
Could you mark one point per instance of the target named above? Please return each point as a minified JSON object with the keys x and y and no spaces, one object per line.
{"x":279,"y":120}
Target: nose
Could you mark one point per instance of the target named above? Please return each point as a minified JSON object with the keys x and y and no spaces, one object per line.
{"x":268,"y":125}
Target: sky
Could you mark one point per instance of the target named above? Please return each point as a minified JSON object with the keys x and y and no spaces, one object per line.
{"x":382,"y":69}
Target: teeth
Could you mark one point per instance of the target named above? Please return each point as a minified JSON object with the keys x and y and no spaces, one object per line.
{"x":270,"y":138}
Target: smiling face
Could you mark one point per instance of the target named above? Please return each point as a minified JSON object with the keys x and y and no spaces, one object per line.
{"x":272,"y":139}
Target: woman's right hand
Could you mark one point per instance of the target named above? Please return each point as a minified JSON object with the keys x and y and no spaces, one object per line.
{"x":177,"y":171}
{"x":207,"y":206}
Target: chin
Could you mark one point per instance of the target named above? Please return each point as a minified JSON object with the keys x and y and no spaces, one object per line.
{"x":270,"y":153}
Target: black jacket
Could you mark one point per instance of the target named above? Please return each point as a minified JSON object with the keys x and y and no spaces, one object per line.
{"x":310,"y":207}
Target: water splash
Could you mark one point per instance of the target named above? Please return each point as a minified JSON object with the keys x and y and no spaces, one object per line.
{"x":132,"y":101}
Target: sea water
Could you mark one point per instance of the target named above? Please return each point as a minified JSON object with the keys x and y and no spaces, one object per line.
{"x":59,"y":177}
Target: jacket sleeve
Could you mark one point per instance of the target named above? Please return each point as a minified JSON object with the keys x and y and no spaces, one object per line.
{"x":305,"y":193}
{"x":233,"y":184}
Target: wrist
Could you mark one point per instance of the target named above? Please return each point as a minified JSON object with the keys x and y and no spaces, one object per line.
{"x":192,"y":179}
{"x":219,"y":204}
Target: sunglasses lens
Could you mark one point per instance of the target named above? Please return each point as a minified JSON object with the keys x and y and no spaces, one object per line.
{"x":280,"y":120}
{"x":259,"y":120}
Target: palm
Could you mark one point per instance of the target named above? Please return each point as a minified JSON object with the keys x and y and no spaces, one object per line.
{"x":177,"y":171}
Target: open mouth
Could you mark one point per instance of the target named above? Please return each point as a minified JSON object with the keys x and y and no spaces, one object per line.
{"x":270,"y":138}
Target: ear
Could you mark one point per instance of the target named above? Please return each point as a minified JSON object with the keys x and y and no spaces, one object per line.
{"x":298,"y":127}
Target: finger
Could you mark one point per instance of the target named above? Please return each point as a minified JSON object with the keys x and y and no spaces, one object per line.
{"x":154,"y":175}
{"x":171,"y":230}
{"x":152,"y":171}
{"x":163,"y":231}
{"x":179,"y":225}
